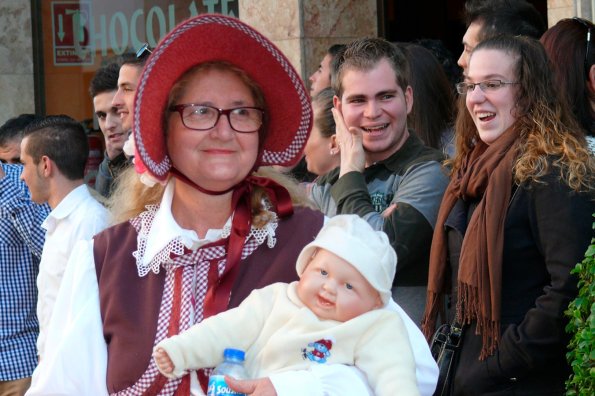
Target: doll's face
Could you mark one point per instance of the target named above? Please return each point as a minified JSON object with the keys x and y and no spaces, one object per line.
{"x":334,"y":290}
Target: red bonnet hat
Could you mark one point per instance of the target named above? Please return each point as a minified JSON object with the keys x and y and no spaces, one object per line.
{"x":213,"y":37}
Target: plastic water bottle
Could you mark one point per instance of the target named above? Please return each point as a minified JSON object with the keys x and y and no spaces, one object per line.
{"x":232,"y":366}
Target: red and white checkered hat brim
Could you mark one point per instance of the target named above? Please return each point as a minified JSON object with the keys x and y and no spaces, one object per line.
{"x":213,"y":37}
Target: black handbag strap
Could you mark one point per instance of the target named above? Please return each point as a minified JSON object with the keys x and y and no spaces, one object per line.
{"x":444,"y":347}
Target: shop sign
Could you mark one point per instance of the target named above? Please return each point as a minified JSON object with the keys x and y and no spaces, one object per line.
{"x":82,"y":30}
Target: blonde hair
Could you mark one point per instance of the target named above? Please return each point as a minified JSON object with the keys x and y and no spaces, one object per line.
{"x":546,"y":127}
{"x":130,"y":196}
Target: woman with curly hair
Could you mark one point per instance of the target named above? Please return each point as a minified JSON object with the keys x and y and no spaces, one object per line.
{"x":514,"y":221}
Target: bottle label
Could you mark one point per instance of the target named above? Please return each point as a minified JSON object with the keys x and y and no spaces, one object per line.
{"x":217,"y":387}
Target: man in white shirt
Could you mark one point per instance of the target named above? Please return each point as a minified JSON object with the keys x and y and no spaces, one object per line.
{"x":54,"y":151}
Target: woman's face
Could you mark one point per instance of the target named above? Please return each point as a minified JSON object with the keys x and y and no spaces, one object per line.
{"x":318,"y":149}
{"x":492,"y":110}
{"x":218,"y":158}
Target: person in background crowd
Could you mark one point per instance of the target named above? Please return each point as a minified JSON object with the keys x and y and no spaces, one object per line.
{"x":321,"y":78}
{"x":123,"y":101}
{"x":21,"y":243}
{"x":128,"y":80}
{"x":487,"y":18}
{"x":54,"y":153}
{"x":211,"y":229}
{"x":433,"y":110}
{"x":570,"y":45}
{"x":103,"y":88}
{"x":515,"y":220}
{"x":321,"y":151}
{"x":446,"y":59}
{"x":386,"y":175}
{"x":10,"y":138}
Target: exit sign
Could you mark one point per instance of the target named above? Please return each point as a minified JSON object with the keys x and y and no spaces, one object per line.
{"x":71,"y":33}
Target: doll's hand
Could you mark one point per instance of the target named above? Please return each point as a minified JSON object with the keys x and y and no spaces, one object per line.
{"x":164,"y":363}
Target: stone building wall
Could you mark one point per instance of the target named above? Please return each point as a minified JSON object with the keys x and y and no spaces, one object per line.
{"x":16,"y":59}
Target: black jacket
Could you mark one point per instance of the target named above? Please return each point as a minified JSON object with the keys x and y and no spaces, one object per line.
{"x":548,"y":229}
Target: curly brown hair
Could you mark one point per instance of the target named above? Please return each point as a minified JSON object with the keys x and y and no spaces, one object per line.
{"x":549,"y":134}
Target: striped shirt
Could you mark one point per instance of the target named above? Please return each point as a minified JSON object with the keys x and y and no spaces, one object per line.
{"x":21,"y":243}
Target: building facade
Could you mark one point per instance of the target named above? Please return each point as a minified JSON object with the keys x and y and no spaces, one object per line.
{"x":49,"y":50}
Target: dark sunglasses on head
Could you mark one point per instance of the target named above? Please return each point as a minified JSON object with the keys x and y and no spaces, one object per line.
{"x":144,"y":50}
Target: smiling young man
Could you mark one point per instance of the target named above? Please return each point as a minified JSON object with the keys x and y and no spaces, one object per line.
{"x":127,"y":83}
{"x":387,"y":176}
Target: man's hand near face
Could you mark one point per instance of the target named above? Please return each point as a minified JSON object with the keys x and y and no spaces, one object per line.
{"x":351,"y":146}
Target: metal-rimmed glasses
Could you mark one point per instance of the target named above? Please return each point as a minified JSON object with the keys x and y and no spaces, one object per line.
{"x":588,"y":27}
{"x":463,"y":88}
{"x":202,"y":117}
{"x":144,"y":50}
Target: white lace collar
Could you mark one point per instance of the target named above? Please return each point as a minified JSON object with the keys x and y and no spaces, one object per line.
{"x":155,"y":244}
{"x":157,"y":238}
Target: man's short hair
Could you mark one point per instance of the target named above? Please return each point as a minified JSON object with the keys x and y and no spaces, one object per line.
{"x":63,"y":140}
{"x":364,"y":54}
{"x":514,"y":17}
{"x":13,"y":128}
{"x":335,"y":49}
{"x":105,"y":79}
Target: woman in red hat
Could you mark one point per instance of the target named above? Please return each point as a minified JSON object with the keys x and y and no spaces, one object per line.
{"x":215,"y":102}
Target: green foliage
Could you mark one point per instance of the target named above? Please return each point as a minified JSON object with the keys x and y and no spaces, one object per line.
{"x":581,"y":313}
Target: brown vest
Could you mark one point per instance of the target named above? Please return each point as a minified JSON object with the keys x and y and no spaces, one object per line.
{"x":130,"y":304}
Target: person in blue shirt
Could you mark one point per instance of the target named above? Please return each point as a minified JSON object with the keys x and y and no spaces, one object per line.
{"x":21,"y":243}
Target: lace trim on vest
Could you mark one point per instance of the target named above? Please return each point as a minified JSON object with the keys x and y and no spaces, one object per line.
{"x":176,"y":246}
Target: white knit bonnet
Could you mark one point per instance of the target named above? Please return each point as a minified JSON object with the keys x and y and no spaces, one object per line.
{"x":355,"y":241}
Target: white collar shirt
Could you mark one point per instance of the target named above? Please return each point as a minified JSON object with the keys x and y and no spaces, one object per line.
{"x":78,"y":216}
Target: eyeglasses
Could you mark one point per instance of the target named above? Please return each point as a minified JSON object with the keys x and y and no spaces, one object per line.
{"x":202,"y":117}
{"x":464,"y":88}
{"x":144,"y":50}
{"x":588,"y":27}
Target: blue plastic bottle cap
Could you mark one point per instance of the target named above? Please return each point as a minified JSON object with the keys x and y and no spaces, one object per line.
{"x":236,"y":354}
